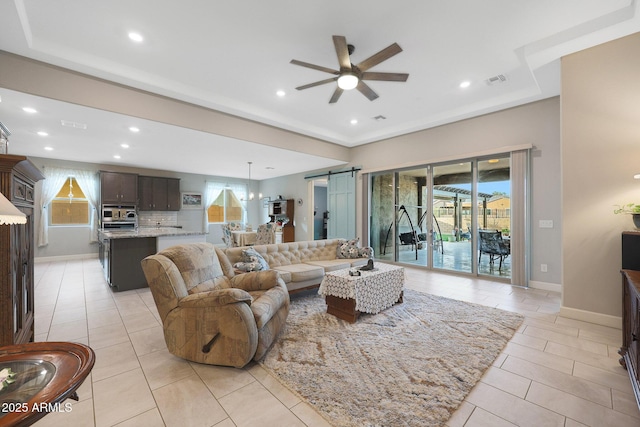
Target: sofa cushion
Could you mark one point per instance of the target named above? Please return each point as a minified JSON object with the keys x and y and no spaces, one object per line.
{"x":331,"y":264}
{"x":357,"y":262}
{"x":302,"y":272}
{"x":284,"y":275}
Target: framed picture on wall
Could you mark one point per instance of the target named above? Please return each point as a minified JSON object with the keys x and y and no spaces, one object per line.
{"x":191,"y":200}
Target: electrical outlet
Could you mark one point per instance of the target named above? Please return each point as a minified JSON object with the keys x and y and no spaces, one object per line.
{"x":543,"y":268}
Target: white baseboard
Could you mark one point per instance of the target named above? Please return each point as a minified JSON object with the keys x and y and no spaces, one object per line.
{"x":555,"y":287}
{"x":592,"y":317}
{"x":39,"y":260}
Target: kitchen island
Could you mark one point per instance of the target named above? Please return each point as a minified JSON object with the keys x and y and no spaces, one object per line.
{"x":122,"y":250}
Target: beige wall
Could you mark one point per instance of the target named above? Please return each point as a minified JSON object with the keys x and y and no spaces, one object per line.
{"x":600,"y":154}
{"x":537,"y":124}
{"x":37,"y":78}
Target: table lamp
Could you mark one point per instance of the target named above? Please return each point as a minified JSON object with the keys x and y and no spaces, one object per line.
{"x":9,"y":214}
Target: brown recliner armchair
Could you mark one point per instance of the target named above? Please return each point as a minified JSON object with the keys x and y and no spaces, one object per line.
{"x":209,"y":314}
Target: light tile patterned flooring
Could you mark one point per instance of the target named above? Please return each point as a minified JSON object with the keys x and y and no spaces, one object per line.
{"x":554,"y":372}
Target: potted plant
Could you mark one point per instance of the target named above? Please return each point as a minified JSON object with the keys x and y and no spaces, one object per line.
{"x":630,"y":208}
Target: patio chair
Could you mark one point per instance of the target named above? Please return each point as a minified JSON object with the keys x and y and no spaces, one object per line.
{"x":492,"y":244}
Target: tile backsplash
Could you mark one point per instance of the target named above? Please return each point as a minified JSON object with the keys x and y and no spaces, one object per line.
{"x":157,"y":218}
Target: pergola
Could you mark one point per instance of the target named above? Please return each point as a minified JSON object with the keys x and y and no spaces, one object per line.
{"x":447,"y":192}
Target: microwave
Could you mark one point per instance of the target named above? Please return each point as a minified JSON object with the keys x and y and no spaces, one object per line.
{"x":119,"y":214}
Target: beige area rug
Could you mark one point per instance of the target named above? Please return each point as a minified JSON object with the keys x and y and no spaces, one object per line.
{"x":410,"y":365}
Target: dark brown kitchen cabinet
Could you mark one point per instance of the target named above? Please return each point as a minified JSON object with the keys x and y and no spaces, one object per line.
{"x":158,"y":193}
{"x":123,"y":269}
{"x":17,"y":180}
{"x":118,"y":188}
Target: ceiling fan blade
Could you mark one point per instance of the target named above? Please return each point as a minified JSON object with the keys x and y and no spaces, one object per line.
{"x":340,"y":42}
{"x":366,"y":91}
{"x":390,"y":77}
{"x":383,"y":55}
{"x":336,"y":95}
{"x":315,"y":67}
{"x":321,"y":82}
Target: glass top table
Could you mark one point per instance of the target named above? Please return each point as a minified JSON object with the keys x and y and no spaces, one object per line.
{"x":36,"y":377}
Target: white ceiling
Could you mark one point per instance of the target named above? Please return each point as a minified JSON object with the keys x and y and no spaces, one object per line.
{"x":234,"y":56}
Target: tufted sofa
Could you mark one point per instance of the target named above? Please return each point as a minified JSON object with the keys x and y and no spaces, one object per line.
{"x":209,"y":314}
{"x":302,"y":264}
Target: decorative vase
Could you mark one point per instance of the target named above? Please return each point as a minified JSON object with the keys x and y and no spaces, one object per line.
{"x":636,"y":220}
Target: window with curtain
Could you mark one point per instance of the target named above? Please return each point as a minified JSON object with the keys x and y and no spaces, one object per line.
{"x":55,"y":187}
{"x":224,"y":203}
{"x":227,"y":207}
{"x":70,"y":206}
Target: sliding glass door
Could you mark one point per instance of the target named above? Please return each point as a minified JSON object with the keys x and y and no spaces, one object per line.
{"x":382,"y":227}
{"x":437,"y":215}
{"x":451,"y":203}
{"x":494,"y":216}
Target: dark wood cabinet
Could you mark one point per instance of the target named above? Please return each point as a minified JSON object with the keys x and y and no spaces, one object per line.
{"x":123,"y":270}
{"x":17,"y":180}
{"x":118,"y":188}
{"x":631,"y":328}
{"x":283,"y":210}
{"x":173,"y":194}
{"x":631,"y":308}
{"x":158,"y":194}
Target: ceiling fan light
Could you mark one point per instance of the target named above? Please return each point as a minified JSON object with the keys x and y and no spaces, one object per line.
{"x":348,"y":81}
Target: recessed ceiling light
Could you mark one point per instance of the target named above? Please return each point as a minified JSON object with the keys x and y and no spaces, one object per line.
{"x":29,"y":110}
{"x":465,"y":84}
{"x":354,"y":121}
{"x":117,"y":156}
{"x":124,"y":145}
{"x":281,"y":93}
{"x":42,"y":133}
{"x":136,"y":37}
{"x":134,"y":129}
{"x":48,"y":148}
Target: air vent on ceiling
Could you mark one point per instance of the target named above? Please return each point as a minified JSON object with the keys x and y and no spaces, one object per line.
{"x":379,"y":118}
{"x":496,"y":80}
{"x":75,"y":125}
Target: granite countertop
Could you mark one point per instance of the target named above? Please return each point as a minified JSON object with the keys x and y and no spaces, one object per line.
{"x":148,"y":232}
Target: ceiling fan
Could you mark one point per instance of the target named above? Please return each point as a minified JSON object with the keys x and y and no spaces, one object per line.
{"x":352,"y":76}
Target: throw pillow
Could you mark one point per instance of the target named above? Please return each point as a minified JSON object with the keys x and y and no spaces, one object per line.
{"x":348,"y":248}
{"x":365,"y":252}
{"x":253,"y":260}
{"x":247,"y":266}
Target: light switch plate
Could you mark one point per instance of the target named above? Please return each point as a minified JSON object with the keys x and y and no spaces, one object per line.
{"x":545,"y":223}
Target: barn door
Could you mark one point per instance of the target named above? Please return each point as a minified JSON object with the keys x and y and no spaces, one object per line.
{"x":341,"y":204}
